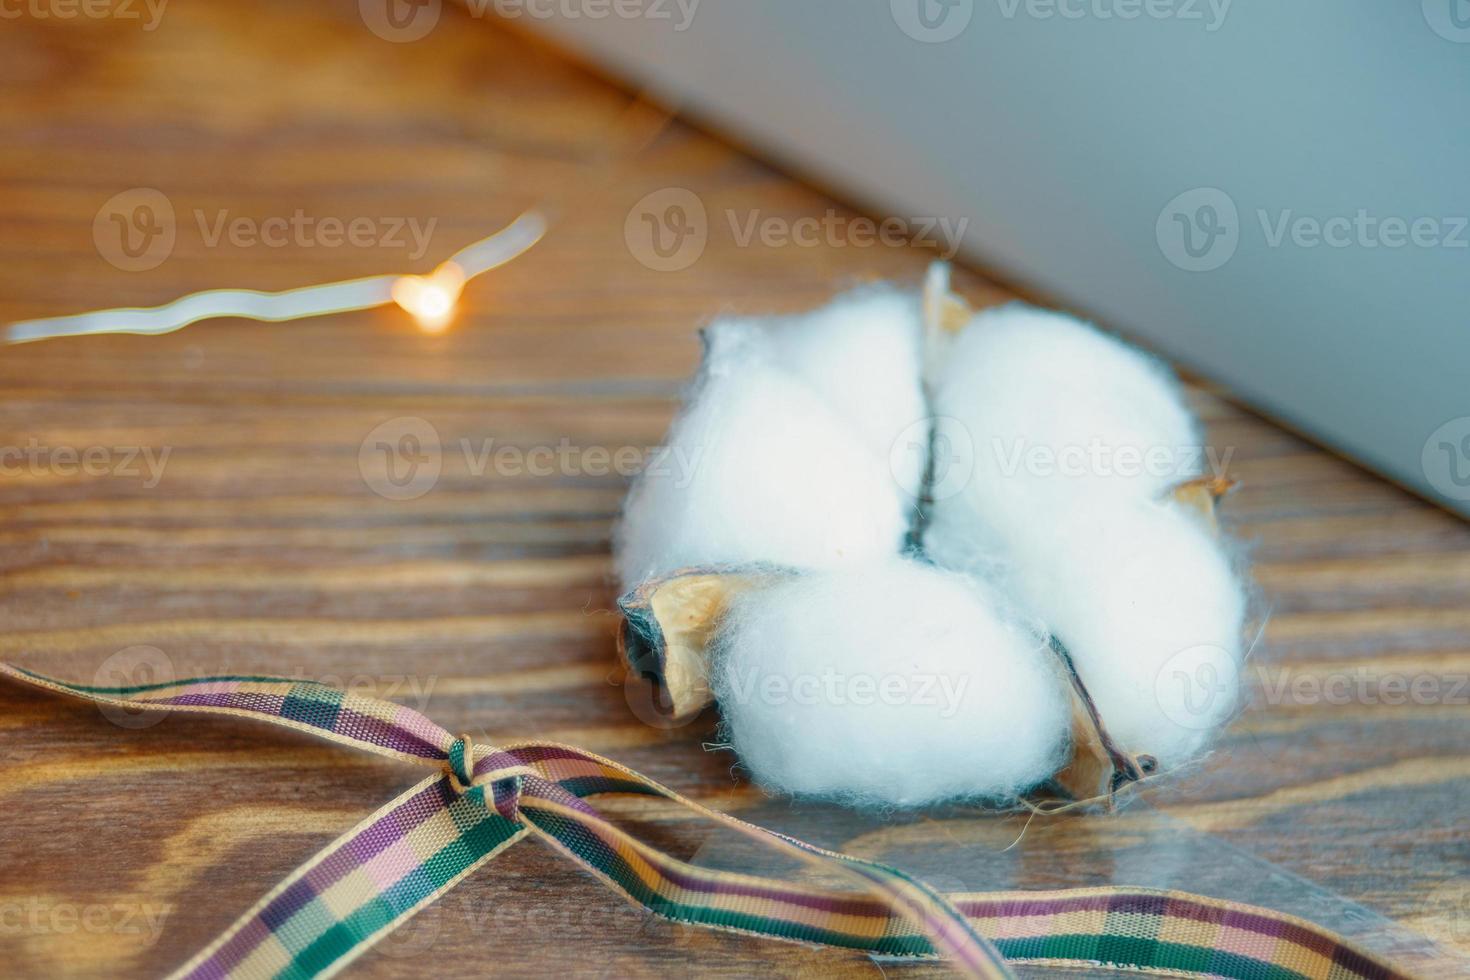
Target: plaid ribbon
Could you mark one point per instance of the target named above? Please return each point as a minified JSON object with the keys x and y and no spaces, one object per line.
{"x":482,"y":799}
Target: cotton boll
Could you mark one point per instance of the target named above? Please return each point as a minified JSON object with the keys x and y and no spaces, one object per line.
{"x":894,"y":683}
{"x":1150,"y":610}
{"x":1046,"y":408}
{"x":758,"y":469}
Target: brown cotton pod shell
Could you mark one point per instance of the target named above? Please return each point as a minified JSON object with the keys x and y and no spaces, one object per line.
{"x":1098,"y":769}
{"x":667,"y":626}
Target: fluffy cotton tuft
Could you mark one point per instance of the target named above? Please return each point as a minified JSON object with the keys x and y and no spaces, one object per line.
{"x":891,"y":684}
{"x":1068,"y":443}
{"x":1150,"y":610}
{"x":783,"y":452}
{"x":1041,"y":393}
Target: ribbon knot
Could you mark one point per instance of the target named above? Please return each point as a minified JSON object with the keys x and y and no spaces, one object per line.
{"x":498,"y":769}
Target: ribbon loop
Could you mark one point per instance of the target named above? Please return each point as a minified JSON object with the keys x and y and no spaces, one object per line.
{"x":461,"y":763}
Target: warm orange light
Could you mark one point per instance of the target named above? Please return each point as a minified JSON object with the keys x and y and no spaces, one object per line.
{"x":430,"y":299}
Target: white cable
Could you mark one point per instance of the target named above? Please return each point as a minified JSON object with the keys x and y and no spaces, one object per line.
{"x":290,"y":304}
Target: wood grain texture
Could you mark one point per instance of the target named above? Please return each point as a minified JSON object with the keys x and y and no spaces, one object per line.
{"x":486,"y":601}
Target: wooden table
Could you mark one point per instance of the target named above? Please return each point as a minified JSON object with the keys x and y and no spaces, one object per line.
{"x":262,"y":547}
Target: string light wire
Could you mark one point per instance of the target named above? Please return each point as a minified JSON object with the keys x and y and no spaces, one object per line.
{"x":430,"y":299}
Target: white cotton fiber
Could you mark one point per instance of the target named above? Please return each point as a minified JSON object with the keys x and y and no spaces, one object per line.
{"x":1054,"y":406}
{"x":1150,"y":610}
{"x":861,"y":354}
{"x":891,"y":684}
{"x":782,"y":452}
{"x":1071,"y":442}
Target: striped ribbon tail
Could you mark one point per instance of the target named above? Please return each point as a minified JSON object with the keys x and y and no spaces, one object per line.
{"x":480,"y":800}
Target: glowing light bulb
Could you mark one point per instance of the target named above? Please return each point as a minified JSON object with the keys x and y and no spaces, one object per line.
{"x":430,"y":299}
